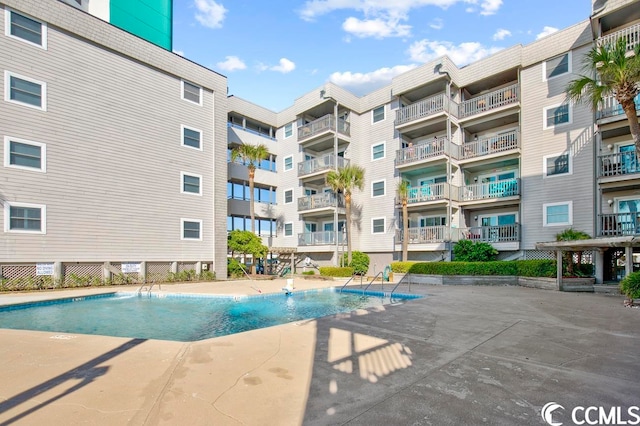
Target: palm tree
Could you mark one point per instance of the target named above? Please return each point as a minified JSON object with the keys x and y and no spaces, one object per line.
{"x":617,"y":72}
{"x":344,"y":181}
{"x":571,"y":234}
{"x":250,"y":155}
{"x":403,"y":194}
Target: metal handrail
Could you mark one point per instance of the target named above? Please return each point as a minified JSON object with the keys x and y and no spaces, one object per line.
{"x":371,"y":282}
{"x":345,"y":284}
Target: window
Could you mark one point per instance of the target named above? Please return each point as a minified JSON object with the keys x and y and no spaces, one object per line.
{"x":377,"y":188}
{"x":288,"y":130}
{"x":288,"y":163}
{"x":191,"y":92}
{"x":25,"y":91}
{"x":288,"y":229}
{"x":28,"y":218}
{"x":377,"y":151}
{"x":26,"y":29}
{"x":191,"y":229}
{"x":190,"y":183}
{"x":24,"y":154}
{"x":192,"y":138}
{"x":556,"y":165}
{"x":377,"y":114}
{"x":557,"y":115}
{"x":557,"y":66}
{"x":288,"y":196}
{"x":558,"y":214}
{"x":378,"y":225}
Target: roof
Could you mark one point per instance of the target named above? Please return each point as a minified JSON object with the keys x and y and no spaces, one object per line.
{"x":590,"y":244}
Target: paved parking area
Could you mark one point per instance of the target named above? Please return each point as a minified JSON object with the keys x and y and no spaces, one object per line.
{"x":462,"y":355}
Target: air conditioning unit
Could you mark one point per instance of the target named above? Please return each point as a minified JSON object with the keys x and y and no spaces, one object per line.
{"x":205,"y":266}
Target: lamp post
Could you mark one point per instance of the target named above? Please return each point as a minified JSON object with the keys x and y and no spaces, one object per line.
{"x":335,"y":164}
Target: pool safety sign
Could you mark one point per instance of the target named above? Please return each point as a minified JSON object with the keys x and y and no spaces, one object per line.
{"x":44,"y":268}
{"x":131,"y":268}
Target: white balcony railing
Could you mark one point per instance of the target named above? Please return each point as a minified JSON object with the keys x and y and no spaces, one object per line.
{"x":501,"y":97}
{"x":618,"y":164}
{"x":425,"y":108}
{"x":489,"y":145}
{"x":490,"y":190}
{"x":421,"y":151}
{"x":320,"y":238}
{"x":429,"y":192}
{"x":631,"y":35}
{"x":491,"y":234}
{"x":610,"y":107}
{"x":326,"y":162}
{"x":425,"y":234}
{"x":321,"y":125}
{"x":619,"y":224}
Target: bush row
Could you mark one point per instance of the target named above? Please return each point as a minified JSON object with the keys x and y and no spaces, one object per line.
{"x":521,"y":268}
{"x":335,"y":271}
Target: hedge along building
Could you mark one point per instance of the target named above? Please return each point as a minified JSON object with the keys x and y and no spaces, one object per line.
{"x":110,"y":147}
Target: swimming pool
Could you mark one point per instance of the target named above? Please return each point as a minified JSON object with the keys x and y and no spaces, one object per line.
{"x":182,"y":317}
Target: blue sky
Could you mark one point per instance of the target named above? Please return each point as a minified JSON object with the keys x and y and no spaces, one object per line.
{"x":273,"y":52}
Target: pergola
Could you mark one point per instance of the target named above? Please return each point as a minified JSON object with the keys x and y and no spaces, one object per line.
{"x":599,"y":245}
{"x":283,"y":251}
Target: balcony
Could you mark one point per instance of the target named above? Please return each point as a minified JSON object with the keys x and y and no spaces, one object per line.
{"x":425,"y":234}
{"x":321,"y":238}
{"x":490,"y":101}
{"x":425,"y":108}
{"x":491,"y":234}
{"x":322,"y":125}
{"x":420,"y":152}
{"x":320,"y":201}
{"x":618,"y":224}
{"x":489,"y":145}
{"x":630,"y":34}
{"x":322,"y":164}
{"x":610,"y":107}
{"x":429,"y":192}
{"x":490,"y":190}
{"x":618,"y":164}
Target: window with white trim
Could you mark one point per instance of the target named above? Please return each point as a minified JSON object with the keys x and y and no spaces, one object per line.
{"x":557,"y":214}
{"x":557,"y":164}
{"x":288,"y":196}
{"x":190,"y":183}
{"x":25,"y":91}
{"x":191,"y":229}
{"x":288,"y":163}
{"x":288,"y":130}
{"x":377,"y":188}
{"x":23,"y":154}
{"x":25,"y":28}
{"x":557,"y":115}
{"x":191,"y":137}
{"x":556,"y":66}
{"x":288,"y":229}
{"x":191,"y":92}
{"x":25,"y":218}
{"x":378,"y":151}
{"x":378,"y":225}
{"x":377,"y":114}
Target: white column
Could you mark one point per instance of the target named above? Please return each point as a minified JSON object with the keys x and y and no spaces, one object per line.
{"x":628,"y":265}
{"x":599,"y":266}
{"x":559,"y":268}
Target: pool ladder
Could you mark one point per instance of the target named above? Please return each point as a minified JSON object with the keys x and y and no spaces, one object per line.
{"x":149,"y":287}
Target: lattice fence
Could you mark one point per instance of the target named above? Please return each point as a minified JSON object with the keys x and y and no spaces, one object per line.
{"x":81,"y":274}
{"x":124,"y":278}
{"x":23,"y":277}
{"x":186,"y":266}
{"x":158,"y":271}
{"x":539,"y":255}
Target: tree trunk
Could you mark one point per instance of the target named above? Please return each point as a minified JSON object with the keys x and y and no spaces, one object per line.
{"x":405,"y":231}
{"x":347,"y":204}
{"x":630,"y":111}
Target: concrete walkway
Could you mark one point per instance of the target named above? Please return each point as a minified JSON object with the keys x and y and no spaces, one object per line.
{"x":462,"y":355}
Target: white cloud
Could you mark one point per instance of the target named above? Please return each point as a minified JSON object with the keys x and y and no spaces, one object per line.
{"x":490,"y":7}
{"x":501,"y":34}
{"x":461,"y":54}
{"x":361,"y":83}
{"x":381,"y":17}
{"x":376,"y":28}
{"x":285,"y":66}
{"x":210,"y":14}
{"x":437,"y":24}
{"x":545,"y":32}
{"x":179,"y":52}
{"x":231,"y":63}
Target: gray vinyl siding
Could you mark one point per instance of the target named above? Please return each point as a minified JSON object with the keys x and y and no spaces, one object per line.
{"x":114,"y":154}
{"x":537,"y":142}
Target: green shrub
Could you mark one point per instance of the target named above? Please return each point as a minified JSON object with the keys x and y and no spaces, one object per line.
{"x":359,"y":262}
{"x":312,"y":272}
{"x":630,"y":285}
{"x":523,"y":268}
{"x":336,"y":271}
{"x":207,"y":276}
{"x":474,"y":251}
{"x":401,"y":267}
{"x":235,"y":269}
{"x":536,"y":268}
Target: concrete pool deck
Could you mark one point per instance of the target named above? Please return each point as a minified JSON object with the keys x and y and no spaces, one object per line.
{"x":463,"y":355}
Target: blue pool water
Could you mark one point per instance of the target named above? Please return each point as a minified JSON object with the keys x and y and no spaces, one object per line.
{"x":181,"y":318}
